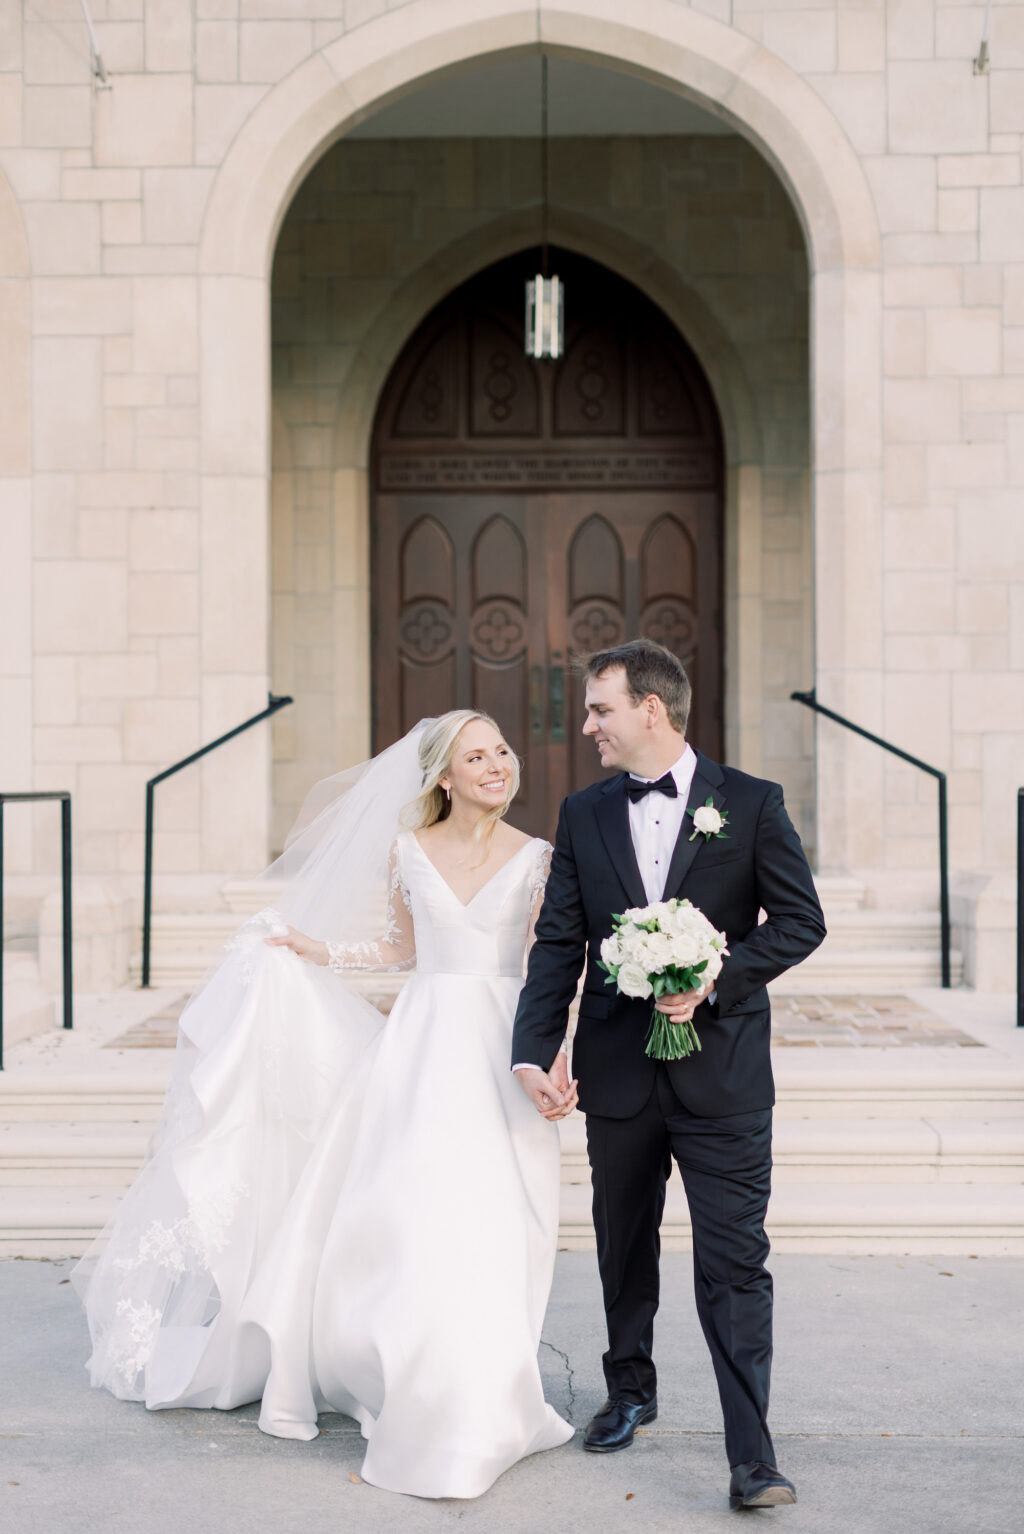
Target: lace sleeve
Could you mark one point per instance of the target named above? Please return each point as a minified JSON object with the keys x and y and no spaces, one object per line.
{"x":541,"y":869}
{"x":396,"y":949}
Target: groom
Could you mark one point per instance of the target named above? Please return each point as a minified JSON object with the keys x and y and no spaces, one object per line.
{"x":628,"y":841}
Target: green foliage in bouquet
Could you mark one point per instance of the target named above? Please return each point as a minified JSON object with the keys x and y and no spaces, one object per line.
{"x":664,"y":949}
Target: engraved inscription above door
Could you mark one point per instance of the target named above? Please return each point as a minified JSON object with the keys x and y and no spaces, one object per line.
{"x":526,"y":512}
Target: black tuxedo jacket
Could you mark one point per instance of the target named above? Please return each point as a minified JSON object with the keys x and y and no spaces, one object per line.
{"x":760,"y":864}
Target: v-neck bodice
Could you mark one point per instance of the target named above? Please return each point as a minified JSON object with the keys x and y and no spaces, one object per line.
{"x":487,"y":935}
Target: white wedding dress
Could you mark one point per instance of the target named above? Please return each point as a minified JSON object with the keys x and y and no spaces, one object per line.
{"x":340,"y":1213}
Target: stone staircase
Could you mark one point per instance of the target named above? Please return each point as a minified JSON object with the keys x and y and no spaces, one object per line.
{"x":893,"y":1153}
{"x":869,"y":950}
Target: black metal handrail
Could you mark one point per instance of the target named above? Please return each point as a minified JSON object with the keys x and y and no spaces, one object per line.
{"x":809,"y":700}
{"x":1020,"y":907}
{"x":65,"y":883}
{"x":273,"y":704}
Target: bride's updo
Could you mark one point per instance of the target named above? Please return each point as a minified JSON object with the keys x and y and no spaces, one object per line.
{"x":437,"y":747}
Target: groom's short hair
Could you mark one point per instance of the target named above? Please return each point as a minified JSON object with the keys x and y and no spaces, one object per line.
{"x":650,"y":668}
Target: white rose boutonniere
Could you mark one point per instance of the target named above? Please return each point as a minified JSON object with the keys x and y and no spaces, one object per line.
{"x":708,"y":822}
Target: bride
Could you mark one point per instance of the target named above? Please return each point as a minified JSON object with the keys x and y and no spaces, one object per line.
{"x":339,"y":1213}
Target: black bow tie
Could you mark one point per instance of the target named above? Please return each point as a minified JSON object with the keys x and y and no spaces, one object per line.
{"x":666,"y":785}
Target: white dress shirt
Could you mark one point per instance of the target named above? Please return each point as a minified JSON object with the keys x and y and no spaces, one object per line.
{"x":655,"y":822}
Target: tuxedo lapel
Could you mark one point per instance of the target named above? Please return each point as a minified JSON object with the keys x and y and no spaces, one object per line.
{"x":612,"y":814}
{"x":706,"y":785}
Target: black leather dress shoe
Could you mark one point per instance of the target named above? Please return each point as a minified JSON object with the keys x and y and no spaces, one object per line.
{"x":614,"y":1425}
{"x":756,"y":1485}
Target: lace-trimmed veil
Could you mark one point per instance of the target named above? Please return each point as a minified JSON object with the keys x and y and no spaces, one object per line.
{"x":245,"y":1056}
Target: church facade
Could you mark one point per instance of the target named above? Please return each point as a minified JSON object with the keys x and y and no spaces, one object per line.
{"x":267,"y":424}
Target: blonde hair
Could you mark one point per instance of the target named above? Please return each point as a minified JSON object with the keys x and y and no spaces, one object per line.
{"x":437,"y":749}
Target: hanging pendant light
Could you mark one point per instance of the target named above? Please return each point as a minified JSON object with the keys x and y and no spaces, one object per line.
{"x":545,"y":306}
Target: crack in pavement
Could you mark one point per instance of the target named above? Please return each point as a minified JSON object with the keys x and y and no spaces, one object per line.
{"x":570,"y":1377}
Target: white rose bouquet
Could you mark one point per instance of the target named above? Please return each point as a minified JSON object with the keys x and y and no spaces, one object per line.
{"x":661,"y":950}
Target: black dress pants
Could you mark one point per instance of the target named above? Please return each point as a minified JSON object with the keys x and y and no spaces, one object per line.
{"x":726,"y":1170}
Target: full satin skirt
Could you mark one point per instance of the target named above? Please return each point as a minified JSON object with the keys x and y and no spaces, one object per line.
{"x":340,"y":1216}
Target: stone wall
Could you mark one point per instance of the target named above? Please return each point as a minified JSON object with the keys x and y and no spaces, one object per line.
{"x":137,"y":225}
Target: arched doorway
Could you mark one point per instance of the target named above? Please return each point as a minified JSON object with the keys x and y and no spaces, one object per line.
{"x":525,"y":512}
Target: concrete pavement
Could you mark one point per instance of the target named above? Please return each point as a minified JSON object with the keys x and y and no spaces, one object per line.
{"x":896,"y":1407}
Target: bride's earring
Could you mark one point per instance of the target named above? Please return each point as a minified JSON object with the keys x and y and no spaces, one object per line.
{"x":448,"y":793}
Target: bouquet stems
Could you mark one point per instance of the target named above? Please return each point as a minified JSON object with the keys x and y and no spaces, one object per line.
{"x":671,"y":1041}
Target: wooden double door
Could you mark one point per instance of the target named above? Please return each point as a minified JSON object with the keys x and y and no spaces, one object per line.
{"x":524,"y":513}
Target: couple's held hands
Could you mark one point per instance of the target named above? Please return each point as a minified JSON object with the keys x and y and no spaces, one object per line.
{"x":681,"y":1007}
{"x":551,"y":1092}
{"x":309,"y":948}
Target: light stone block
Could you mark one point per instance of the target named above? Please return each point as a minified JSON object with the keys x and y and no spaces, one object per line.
{"x":982,"y":607}
{"x":122,"y":223}
{"x":57,"y":116}
{"x":178,"y":662}
{"x":117,"y":676}
{"x":924,"y":249}
{"x":122,"y":489}
{"x":858,"y":103}
{"x":165,"y":324}
{"x":927,"y":652}
{"x":174,"y":203}
{"x":861,"y":40}
{"x":806,"y":40}
{"x":233,"y":555}
{"x":958,"y":211}
{"x":11,"y":37}
{"x":1002,"y":223}
{"x":79,"y":607}
{"x":11,"y":110}
{"x":55,"y":690}
{"x":147,"y":120}
{"x":967,"y":464}
{"x":68,"y":306}
{"x":73,"y":744}
{"x":990,"y":536}
{"x":34,"y":174}
{"x":923,"y":286}
{"x":981,"y":703}
{"x":921,"y":410}
{"x":15,"y":375}
{"x":102,"y":533}
{"x":16,"y":579}
{"x":993,"y":394}
{"x":1006,"y":112}
{"x":904,"y":191}
{"x":963,"y":342}
{"x":269,"y":50}
{"x":122,"y":46}
{"x":55,"y":52}
{"x":918,"y":602}
{"x":977,"y":170}
{"x":216,"y":51}
{"x":54,"y":515}
{"x":903,"y":343}
{"x":163,"y":603}
{"x":89,"y":185}
{"x":917,"y":718}
{"x":168,"y":35}
{"x":220,"y":111}
{"x":983,"y":286}
{"x":936,"y":107}
{"x":160,"y":729}
{"x":919,"y":539}
{"x":910,"y":29}
{"x":67,"y":412}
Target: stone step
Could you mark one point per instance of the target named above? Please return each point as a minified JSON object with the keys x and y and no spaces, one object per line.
{"x":833,"y":969}
{"x":98,"y":1154}
{"x":855,"y":1217}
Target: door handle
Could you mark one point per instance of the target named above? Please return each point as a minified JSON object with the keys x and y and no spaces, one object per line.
{"x":556,"y":693}
{"x":536,"y":705}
